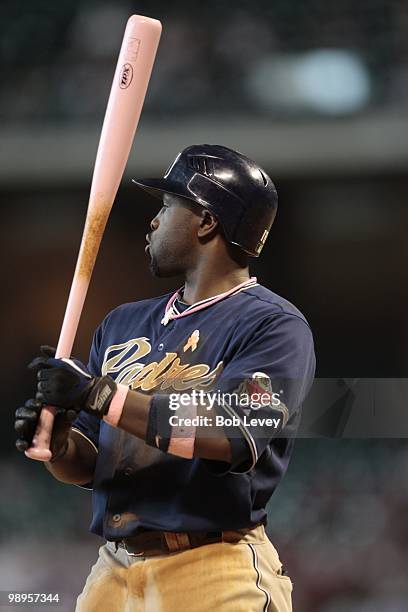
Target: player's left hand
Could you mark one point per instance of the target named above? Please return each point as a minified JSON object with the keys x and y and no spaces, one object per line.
{"x":68,"y":384}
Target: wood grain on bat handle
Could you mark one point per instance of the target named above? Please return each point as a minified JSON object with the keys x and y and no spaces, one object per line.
{"x":93,"y":232}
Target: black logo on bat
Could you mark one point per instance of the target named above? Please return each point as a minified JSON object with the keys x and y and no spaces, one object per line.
{"x":125,"y":76}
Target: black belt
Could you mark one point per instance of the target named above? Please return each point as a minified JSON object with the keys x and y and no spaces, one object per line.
{"x":154,"y":543}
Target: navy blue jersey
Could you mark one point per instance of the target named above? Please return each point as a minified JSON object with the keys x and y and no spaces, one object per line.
{"x":220,"y":346}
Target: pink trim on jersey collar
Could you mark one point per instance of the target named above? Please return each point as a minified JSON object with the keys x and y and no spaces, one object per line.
{"x":169,"y":313}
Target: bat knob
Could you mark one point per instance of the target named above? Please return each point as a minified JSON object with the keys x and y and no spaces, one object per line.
{"x":39,"y":454}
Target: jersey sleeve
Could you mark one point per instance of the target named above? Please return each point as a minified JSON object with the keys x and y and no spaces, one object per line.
{"x":87,"y":424}
{"x":262,"y":388}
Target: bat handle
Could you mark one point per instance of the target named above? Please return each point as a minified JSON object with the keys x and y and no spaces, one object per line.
{"x":40,"y":446}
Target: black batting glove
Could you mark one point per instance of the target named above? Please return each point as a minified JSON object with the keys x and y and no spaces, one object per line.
{"x":68,"y":384}
{"x":26,"y":421}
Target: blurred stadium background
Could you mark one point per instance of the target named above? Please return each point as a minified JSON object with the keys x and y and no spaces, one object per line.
{"x":317,"y":92}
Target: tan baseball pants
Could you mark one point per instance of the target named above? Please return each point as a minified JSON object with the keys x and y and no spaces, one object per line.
{"x":220,"y":577}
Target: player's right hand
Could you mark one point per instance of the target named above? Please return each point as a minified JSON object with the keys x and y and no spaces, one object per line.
{"x":26,"y":421}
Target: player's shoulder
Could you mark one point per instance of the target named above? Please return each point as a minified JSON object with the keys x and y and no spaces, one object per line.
{"x":139,"y":308}
{"x":141,"y":304}
{"x":268,"y":303}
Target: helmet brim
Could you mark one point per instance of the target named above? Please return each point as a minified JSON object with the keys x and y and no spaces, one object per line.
{"x":157,"y":186}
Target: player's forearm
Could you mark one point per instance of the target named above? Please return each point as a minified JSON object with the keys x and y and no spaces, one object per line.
{"x":77,"y":464}
{"x":134,"y":420}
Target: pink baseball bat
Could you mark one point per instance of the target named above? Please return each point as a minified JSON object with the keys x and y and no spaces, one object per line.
{"x":126,"y":98}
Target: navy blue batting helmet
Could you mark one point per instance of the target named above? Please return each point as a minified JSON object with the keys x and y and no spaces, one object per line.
{"x":231,"y":186}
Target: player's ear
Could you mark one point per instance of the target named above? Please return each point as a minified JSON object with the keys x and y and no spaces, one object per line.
{"x":208,"y":224}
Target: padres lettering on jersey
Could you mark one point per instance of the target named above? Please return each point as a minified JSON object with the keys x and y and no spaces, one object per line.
{"x":169,"y":373}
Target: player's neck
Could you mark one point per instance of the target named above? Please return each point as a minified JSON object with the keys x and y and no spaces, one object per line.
{"x":205,"y":283}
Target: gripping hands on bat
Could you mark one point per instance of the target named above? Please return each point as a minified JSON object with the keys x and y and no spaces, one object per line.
{"x":70,"y":387}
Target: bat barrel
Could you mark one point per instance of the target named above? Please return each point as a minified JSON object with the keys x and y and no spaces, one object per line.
{"x":124,"y":106}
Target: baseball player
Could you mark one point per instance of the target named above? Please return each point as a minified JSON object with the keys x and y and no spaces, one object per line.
{"x":184,"y":419}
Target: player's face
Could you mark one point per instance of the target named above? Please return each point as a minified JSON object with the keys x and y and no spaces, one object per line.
{"x":172,"y":240}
